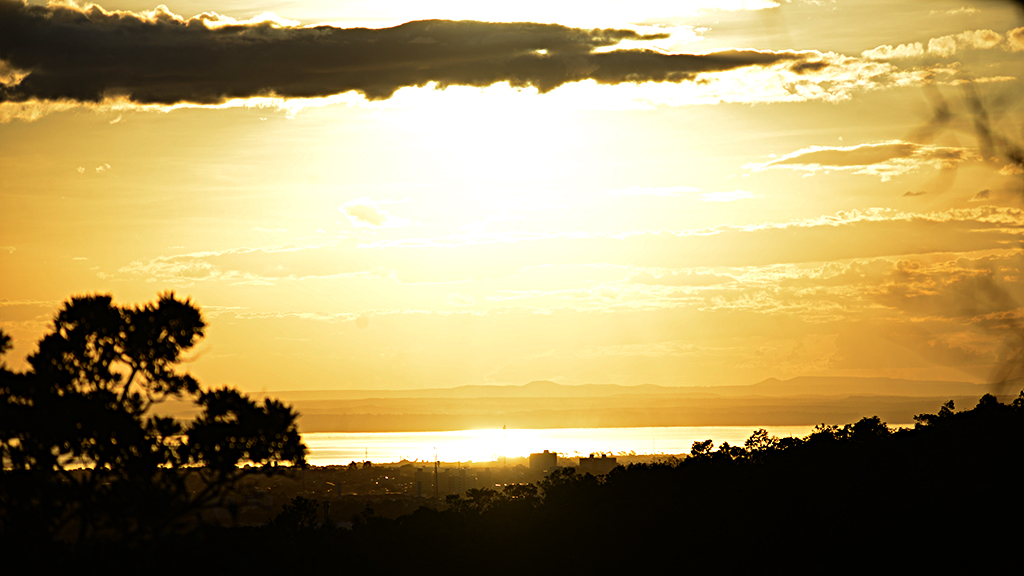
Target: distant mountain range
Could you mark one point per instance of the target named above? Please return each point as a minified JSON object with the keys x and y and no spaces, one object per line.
{"x":801,"y":386}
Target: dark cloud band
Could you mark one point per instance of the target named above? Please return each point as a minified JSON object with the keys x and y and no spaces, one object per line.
{"x":87,"y":54}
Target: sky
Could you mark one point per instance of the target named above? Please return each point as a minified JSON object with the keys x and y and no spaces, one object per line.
{"x":399,"y":194}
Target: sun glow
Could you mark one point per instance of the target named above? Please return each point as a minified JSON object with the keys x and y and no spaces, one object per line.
{"x":485,"y":144}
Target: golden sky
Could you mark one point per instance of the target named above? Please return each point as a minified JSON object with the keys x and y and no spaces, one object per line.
{"x":390,"y":195}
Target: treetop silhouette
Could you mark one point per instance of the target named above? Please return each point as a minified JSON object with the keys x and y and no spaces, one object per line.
{"x":83,"y":455}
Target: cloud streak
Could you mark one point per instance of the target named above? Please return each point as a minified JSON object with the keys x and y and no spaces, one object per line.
{"x":726,"y":196}
{"x":848,"y":235}
{"x":365,"y":213}
{"x":883,"y":159}
{"x":59,"y":53}
{"x":947,"y":46}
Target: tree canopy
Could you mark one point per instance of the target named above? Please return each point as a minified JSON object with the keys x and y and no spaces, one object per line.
{"x":85,"y":457}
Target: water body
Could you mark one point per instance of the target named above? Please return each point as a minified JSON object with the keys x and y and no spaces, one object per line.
{"x":339,"y":448}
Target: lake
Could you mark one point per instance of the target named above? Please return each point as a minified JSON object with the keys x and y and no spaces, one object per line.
{"x":339,"y":448}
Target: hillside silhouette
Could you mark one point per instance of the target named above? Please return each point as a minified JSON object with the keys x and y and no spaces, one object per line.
{"x":862,"y":496}
{"x":92,"y":477}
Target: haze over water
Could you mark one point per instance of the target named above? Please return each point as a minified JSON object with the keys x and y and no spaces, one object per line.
{"x":338,"y":448}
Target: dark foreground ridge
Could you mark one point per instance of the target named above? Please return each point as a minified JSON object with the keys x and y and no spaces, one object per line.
{"x":163,"y":496}
{"x":862,"y":496}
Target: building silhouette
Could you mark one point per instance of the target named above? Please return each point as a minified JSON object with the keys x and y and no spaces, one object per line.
{"x":596,"y":465}
{"x":542,"y":461}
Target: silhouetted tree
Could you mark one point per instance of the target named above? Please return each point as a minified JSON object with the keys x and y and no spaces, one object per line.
{"x":869,"y":428}
{"x":731,"y":452}
{"x":299,"y":514}
{"x":83,"y":455}
{"x":760,"y":441}
{"x":524,"y":492}
{"x":944,"y":414}
{"x":701,"y":449}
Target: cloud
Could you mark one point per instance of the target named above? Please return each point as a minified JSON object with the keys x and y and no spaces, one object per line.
{"x":946,"y":46}
{"x":9,"y":75}
{"x":887,"y":347}
{"x":1015,"y":39}
{"x":726,"y":196}
{"x":887,"y":52}
{"x":64,"y":52}
{"x":1011,"y":170}
{"x":653,"y":191}
{"x":883,"y":159}
{"x":963,"y":10}
{"x":248,"y":264}
{"x":980,"y":196}
{"x":949,"y":290}
{"x":686,"y":277}
{"x":364,"y":213}
{"x":460,"y":300}
{"x":918,"y":193}
{"x":99,"y":169}
{"x":846,"y":235}
{"x":961,"y":288}
{"x":674,"y":191}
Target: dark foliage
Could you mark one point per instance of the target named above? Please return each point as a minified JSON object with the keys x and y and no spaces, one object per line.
{"x":84,"y":457}
{"x":856,"y":497}
{"x":863,"y":496}
{"x":299,"y":514}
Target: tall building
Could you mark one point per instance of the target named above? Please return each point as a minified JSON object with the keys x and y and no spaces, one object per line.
{"x":596,"y":465}
{"x":543,"y":461}
{"x":458,"y":481}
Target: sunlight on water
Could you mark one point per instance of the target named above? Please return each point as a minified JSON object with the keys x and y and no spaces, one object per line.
{"x":337,"y":448}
